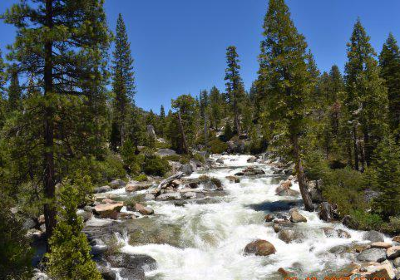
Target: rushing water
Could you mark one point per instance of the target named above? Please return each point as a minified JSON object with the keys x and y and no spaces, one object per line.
{"x":213,"y":236}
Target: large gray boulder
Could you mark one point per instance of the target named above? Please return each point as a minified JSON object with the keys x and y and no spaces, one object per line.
{"x":151,"y":131}
{"x":187,"y":169}
{"x":165,"y":152}
{"x":372,"y":255}
{"x":373,"y":236}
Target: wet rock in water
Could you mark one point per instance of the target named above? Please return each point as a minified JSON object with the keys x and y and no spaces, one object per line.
{"x":102,"y":189}
{"x":393,"y":252}
{"x":108,"y":210}
{"x":137,"y":186}
{"x":290,"y":235}
{"x":189,"y":195}
{"x":276,"y":228}
{"x":338,"y":250}
{"x":343,"y":234}
{"x":269,"y":218}
{"x":169,"y":196}
{"x":107,"y":273}
{"x":122,"y":260}
{"x":187,"y":169}
{"x":296,"y":217}
{"x":327,"y":212}
{"x":233,"y":179}
{"x":288,"y":192}
{"x":396,"y":239}
{"x":116,"y":184}
{"x":385,"y":270}
{"x":132,"y":274}
{"x":396,"y":262}
{"x":382,"y":245}
{"x":252,"y":159}
{"x":373,"y":236}
{"x":331,"y":232}
{"x":149,"y":196}
{"x":251,"y":171}
{"x":372,"y":255}
{"x":143,"y":210}
{"x":220,"y":161}
{"x":284,"y":186}
{"x":259,"y":248}
{"x":86,"y":216}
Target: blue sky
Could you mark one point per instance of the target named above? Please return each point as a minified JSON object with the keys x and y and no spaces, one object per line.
{"x":179,"y":45}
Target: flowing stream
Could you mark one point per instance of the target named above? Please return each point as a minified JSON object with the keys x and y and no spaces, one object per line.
{"x":214,"y":235}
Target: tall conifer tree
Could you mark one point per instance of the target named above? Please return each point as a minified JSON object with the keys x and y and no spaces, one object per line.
{"x":234,"y":85}
{"x":389,"y":61}
{"x":366,"y":98}
{"x":63,"y":44}
{"x":14,"y":90}
{"x":286,"y":82}
{"x":123,"y":83}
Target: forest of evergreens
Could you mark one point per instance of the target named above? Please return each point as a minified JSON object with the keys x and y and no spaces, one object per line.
{"x":69,"y":122}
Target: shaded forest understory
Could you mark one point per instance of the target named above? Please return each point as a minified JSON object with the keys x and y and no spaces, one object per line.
{"x":69,"y":125}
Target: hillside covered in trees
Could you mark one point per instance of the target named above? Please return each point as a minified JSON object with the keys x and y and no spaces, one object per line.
{"x":69,"y":125}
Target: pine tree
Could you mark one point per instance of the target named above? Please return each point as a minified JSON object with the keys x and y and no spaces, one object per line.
{"x":387,"y":179}
{"x":123,"y":84}
{"x":184,"y":121}
{"x":286,"y":82}
{"x":69,"y":39}
{"x":216,"y":105}
{"x":162,"y":121}
{"x":234,"y":85}
{"x":14,"y":90}
{"x":204,"y":103}
{"x":3,"y":79}
{"x":389,"y":61}
{"x":366,"y":98}
{"x":70,"y":257}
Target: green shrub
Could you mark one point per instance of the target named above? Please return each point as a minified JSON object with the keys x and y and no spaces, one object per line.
{"x":101,"y":171}
{"x":141,"y":178}
{"x":366,"y":221}
{"x":70,"y":257}
{"x":161,"y":145}
{"x":155,"y":165}
{"x":393,"y":226}
{"x":199,"y":158}
{"x":217,"y":146}
{"x":173,"y":158}
{"x":15,"y":251}
{"x":344,"y":187}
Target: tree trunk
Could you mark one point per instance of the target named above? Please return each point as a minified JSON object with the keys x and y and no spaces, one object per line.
{"x":185,"y":145}
{"x":48,"y":156}
{"x":237,"y":121}
{"x":300,"y":174}
{"x":356,"y":165}
{"x":205,"y":130}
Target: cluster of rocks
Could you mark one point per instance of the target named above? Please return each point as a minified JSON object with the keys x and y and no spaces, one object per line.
{"x":378,"y":259}
{"x":251,"y":171}
{"x":178,"y":189}
{"x":130,"y":267}
{"x":280,"y":167}
{"x":284,"y":188}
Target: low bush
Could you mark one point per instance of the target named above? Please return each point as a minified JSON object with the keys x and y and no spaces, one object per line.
{"x":217,"y":146}
{"x":140,"y":178}
{"x":155,"y":165}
